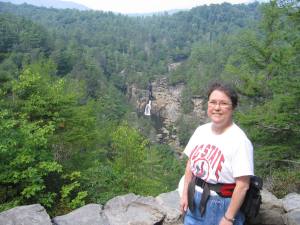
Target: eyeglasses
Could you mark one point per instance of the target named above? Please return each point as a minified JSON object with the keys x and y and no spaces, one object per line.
{"x":223,"y":105}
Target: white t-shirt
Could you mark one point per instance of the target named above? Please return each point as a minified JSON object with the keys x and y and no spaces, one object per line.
{"x":220,"y":158}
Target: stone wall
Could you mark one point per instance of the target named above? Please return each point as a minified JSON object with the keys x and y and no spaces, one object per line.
{"x":138,"y":210}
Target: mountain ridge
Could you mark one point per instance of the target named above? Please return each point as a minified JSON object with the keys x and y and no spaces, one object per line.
{"x":49,"y":3}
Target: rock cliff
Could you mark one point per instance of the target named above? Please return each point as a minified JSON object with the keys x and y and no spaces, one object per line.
{"x":166,"y":107}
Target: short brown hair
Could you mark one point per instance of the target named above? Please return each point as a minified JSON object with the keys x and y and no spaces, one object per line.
{"x":227,"y":89}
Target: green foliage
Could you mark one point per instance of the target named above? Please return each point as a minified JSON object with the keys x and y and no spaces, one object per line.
{"x":280,"y":178}
{"x":186,"y":127}
{"x":267,"y":73}
{"x":171,"y":170}
{"x":21,"y":34}
{"x":68,"y":191}
{"x":41,"y":110}
{"x":146,"y":168}
{"x":129,"y":150}
{"x":25,"y":161}
{"x":133,"y":166}
{"x":187,"y":104}
{"x":151,"y":44}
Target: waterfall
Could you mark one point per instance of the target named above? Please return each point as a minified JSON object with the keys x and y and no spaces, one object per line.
{"x":147,"y":109}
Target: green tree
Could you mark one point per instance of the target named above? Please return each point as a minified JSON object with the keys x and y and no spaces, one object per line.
{"x":26,"y":162}
{"x":38,"y":111}
{"x":129,"y":148}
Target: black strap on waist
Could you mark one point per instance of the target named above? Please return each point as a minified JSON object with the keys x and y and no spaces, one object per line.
{"x":191,"y":193}
{"x":204,"y":198}
{"x":224,"y":190}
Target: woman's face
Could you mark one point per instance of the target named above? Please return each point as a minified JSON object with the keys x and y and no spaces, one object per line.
{"x":220,"y":109}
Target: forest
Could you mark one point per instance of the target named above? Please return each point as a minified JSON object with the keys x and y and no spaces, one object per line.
{"x":66,"y":134}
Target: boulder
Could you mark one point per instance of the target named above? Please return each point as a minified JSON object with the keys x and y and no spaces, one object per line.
{"x":134,"y":210}
{"x":292,"y":218}
{"x":25,"y":215}
{"x":291,"y":204}
{"x":169,"y":205}
{"x":91,"y":214}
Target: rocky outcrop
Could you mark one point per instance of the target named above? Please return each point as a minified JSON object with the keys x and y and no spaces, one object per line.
{"x":133,"y":209}
{"x":166,"y":105}
{"x":291,"y":204}
{"x":91,"y":214}
{"x":122,"y":210}
{"x":25,"y":215}
{"x":138,"y":210}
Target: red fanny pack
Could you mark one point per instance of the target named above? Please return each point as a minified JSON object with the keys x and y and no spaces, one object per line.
{"x":225,"y":190}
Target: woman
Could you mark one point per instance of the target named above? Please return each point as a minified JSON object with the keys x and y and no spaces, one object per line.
{"x":220,"y":165}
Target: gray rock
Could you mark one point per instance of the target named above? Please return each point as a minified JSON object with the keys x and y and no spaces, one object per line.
{"x":169,"y":204}
{"x":292,"y":217}
{"x":269,"y":200}
{"x":271,"y":209}
{"x":269,"y":216}
{"x":25,"y":215}
{"x":132,"y":209}
{"x":91,"y":214}
{"x":291,"y":202}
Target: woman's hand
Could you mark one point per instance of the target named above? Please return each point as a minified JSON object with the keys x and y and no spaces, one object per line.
{"x":184,"y":203}
{"x":225,"y":222}
{"x":187,"y":178}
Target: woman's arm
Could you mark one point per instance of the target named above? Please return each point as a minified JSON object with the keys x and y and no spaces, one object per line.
{"x":238,"y":196}
{"x":187,"y":178}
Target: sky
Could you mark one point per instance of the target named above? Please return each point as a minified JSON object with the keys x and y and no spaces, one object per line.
{"x":147,"y":6}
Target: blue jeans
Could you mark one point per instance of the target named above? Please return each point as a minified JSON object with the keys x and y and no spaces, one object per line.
{"x":215,"y":209}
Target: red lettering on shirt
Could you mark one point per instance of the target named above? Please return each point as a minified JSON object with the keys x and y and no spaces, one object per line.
{"x":219,"y":167}
{"x":213,"y":154}
{"x":219,"y":153}
{"x":211,"y":150}
{"x":193,"y":150}
{"x":196,"y":151}
{"x":207,"y":147}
